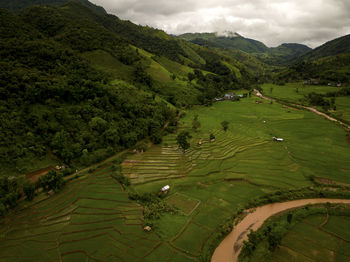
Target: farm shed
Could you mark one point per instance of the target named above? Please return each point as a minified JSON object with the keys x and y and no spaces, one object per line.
{"x":165,"y":188}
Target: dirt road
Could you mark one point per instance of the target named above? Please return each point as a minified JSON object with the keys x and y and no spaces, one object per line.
{"x":314,"y":110}
{"x":230,"y":247}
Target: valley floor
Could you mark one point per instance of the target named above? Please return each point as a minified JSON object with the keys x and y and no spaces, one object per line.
{"x":93,"y":219}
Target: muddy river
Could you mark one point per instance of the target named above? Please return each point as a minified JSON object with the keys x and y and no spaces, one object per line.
{"x":230,"y":247}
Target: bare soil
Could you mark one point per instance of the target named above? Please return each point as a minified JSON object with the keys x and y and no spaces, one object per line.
{"x":34,"y":176}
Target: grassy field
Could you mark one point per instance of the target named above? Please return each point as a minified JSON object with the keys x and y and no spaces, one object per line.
{"x":241,"y":164}
{"x":316,"y":238}
{"x":295,"y":93}
{"x":93,"y":219}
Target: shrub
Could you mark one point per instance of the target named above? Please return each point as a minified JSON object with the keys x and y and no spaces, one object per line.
{"x":2,"y":209}
{"x":51,"y":181}
{"x":29,"y":190}
{"x":125,"y":181}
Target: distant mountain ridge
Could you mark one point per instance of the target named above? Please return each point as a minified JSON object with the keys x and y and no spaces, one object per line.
{"x":334,"y":47}
{"x":226,"y":40}
{"x":275,"y":55}
{"x":19,"y":5}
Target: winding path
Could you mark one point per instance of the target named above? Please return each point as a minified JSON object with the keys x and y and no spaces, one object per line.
{"x":314,"y":110}
{"x":231,"y":246}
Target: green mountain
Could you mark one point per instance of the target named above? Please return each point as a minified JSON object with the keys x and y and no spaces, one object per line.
{"x":280,"y":55}
{"x":228,"y":40}
{"x":330,"y":63}
{"x":78,"y":85}
{"x":334,"y":47}
{"x":285,"y":53}
{"x":19,"y":5}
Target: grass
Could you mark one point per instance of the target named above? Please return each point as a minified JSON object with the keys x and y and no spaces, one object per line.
{"x":295,"y":93}
{"x":316,"y":239}
{"x":243,"y":163}
{"x":184,"y":203}
{"x":93,"y":219}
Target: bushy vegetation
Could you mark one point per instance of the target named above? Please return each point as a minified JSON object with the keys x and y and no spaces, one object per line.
{"x":262,"y":243}
{"x":9,"y":193}
{"x":154,"y":205}
{"x":52,"y":181}
{"x":29,"y":190}
{"x":65,"y":107}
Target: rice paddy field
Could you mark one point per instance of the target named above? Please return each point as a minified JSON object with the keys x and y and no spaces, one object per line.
{"x":295,"y":93}
{"x":94,"y":220}
{"x":317,"y":238}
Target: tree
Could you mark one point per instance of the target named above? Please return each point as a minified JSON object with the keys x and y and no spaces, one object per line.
{"x":195,"y":123}
{"x":29,"y":190}
{"x":51,"y":181}
{"x":2,"y":209}
{"x":224,"y":125}
{"x":156,"y":138}
{"x":275,"y":236}
{"x":181,"y":140}
{"x":211,"y":137}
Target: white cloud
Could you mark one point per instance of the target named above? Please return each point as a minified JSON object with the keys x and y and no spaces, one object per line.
{"x":273,"y":22}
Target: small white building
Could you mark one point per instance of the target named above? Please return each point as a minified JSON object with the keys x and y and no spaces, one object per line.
{"x":165,"y":188}
{"x":278,"y":139}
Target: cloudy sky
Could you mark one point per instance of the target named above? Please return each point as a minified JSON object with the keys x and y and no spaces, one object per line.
{"x":273,"y":22}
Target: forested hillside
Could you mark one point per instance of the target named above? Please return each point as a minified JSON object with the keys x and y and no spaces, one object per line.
{"x":19,"y":5}
{"x":329,"y":63}
{"x":79,"y":85}
{"x":274,"y":56}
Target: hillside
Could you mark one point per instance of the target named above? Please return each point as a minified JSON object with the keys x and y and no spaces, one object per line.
{"x":285,"y":53}
{"x":334,"y":47}
{"x":70,"y":66}
{"x":232,"y":40}
{"x":280,"y":55}
{"x":19,"y":5}
{"x":330,"y":63}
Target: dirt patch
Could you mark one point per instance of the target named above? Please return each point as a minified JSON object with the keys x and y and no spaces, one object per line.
{"x":34,"y":176}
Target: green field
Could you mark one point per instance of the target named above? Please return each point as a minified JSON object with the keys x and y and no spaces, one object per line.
{"x":93,"y":219}
{"x":316,"y":238}
{"x":295,"y":93}
{"x":241,"y":164}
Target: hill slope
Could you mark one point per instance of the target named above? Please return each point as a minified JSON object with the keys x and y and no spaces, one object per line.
{"x":68,"y":67}
{"x":19,"y":5}
{"x":231,"y":40}
{"x":330,"y":63}
{"x":273,"y":56}
{"x":334,"y":47}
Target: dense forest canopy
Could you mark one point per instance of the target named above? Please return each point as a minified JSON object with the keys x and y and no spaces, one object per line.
{"x":57,"y":104}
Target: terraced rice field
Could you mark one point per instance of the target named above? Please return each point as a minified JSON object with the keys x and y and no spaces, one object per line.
{"x":317,"y":238}
{"x":241,"y":164}
{"x":93,"y":219}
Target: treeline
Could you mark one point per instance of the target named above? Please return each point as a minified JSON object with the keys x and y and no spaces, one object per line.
{"x":265,"y":240}
{"x":326,"y":101}
{"x":51,"y":100}
{"x":334,"y":69}
{"x":13,"y":188}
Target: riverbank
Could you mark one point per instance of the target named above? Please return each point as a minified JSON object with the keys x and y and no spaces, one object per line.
{"x":230,"y":248}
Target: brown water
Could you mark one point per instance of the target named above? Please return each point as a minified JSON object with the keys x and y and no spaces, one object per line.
{"x":230,"y":247}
